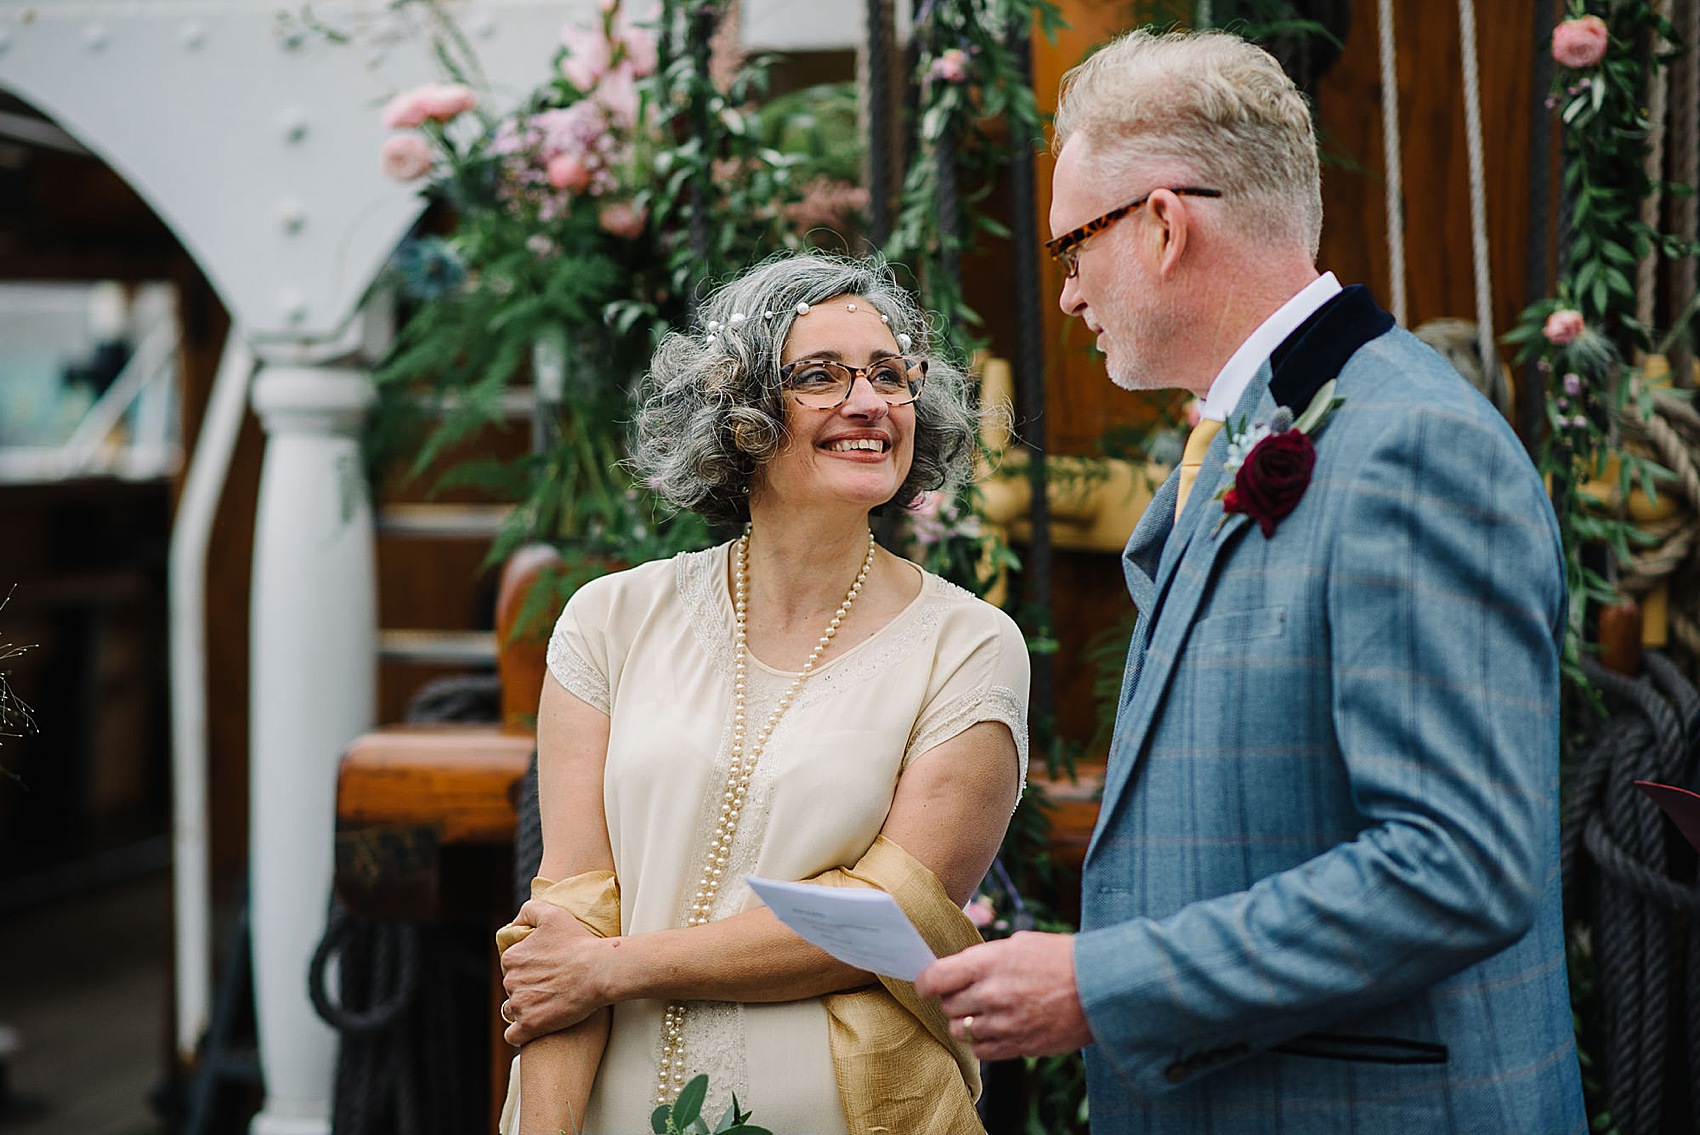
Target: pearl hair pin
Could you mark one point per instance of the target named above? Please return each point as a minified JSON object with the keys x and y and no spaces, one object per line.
{"x":713,"y":328}
{"x":670,"y":1070}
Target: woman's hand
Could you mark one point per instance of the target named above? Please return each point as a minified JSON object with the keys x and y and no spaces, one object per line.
{"x":557,"y":976}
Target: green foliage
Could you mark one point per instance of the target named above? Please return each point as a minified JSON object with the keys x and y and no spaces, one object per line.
{"x":684,"y":1115}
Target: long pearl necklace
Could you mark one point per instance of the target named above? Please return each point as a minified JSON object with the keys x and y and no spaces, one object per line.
{"x":670,"y":1074}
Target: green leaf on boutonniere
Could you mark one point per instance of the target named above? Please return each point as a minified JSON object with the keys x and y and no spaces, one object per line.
{"x":1319,"y":410}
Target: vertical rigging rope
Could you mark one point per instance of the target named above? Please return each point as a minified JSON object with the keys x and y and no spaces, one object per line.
{"x":1478,"y":187}
{"x":1393,"y":164}
{"x":1531,"y":395}
{"x":1658,"y":99}
{"x":873,"y":104}
{"x":1685,"y":143}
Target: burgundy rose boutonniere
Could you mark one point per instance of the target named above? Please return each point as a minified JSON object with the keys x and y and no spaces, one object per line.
{"x":1272,"y":463}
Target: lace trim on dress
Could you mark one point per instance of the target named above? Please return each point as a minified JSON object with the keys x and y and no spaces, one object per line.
{"x":714,"y":1045}
{"x":578,"y":676}
{"x":699,"y":574}
{"x":995,"y":703}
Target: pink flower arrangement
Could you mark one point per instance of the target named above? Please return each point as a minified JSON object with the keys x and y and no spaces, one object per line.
{"x":618,"y":95}
{"x":1580,"y":42}
{"x":981,"y":912}
{"x":951,"y":66}
{"x":548,"y":157}
{"x":588,"y":56}
{"x":566,"y":171}
{"x":405,"y":157}
{"x":592,"y":54}
{"x":827,"y":203}
{"x":433,"y":102}
{"x":1563,"y":326}
{"x":640,"y":53}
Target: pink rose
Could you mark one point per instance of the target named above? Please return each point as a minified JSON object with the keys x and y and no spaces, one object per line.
{"x":951,"y":66}
{"x":1580,"y":42}
{"x":618,"y":92}
{"x":639,"y":51}
{"x":1563,"y":326}
{"x":622,"y":219}
{"x":980,"y":912}
{"x":451,"y":99}
{"x":405,"y":157}
{"x":566,"y":172}
{"x":439,"y":101}
{"x":587,"y":56}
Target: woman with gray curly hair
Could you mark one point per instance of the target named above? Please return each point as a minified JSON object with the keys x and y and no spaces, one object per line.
{"x":797,"y":704}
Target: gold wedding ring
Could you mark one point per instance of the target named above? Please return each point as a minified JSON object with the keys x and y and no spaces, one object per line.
{"x":968,"y":1028}
{"x":504,"y":1013}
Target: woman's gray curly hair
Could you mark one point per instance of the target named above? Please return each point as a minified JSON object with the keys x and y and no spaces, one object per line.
{"x":711,"y":409}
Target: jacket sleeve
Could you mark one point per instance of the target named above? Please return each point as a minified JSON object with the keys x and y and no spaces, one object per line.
{"x":1445,"y":606}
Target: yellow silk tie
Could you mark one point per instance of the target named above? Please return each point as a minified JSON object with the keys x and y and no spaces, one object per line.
{"x":1192,"y":458}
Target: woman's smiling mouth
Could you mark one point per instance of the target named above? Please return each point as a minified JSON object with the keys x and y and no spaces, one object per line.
{"x":851,"y":444}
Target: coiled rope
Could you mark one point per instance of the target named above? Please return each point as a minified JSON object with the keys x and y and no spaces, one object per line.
{"x":1651,"y":735}
{"x":1670,"y":435}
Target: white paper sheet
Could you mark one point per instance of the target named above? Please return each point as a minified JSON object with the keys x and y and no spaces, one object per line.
{"x":859,"y":926}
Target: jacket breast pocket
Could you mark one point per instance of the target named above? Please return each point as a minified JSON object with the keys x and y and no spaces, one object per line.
{"x":1240,"y":626}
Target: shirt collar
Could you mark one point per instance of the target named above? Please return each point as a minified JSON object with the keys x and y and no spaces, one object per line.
{"x":1236,"y":375}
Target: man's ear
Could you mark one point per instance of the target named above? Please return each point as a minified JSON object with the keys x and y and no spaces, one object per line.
{"x":1170,"y":213}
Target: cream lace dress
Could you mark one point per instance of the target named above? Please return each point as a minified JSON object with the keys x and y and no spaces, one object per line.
{"x":652,"y":647}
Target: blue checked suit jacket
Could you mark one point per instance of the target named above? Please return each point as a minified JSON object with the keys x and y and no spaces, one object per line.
{"x":1322,"y":897}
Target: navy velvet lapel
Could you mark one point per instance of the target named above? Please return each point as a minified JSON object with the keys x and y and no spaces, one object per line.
{"x":1312,"y":355}
{"x":1318,"y":348}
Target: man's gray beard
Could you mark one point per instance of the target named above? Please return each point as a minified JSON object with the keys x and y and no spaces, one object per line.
{"x":1136,"y":381}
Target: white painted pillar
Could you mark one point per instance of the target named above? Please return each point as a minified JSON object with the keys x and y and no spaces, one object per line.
{"x":314,"y":639}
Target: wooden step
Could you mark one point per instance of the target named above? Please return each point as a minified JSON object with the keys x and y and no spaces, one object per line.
{"x":438,"y":648}
{"x":443,"y":521}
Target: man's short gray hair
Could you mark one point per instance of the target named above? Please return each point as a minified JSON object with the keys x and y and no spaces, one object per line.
{"x":711,"y":409}
{"x":1219,"y":110}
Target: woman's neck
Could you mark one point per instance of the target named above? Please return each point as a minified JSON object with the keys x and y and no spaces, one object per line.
{"x":800,"y":566}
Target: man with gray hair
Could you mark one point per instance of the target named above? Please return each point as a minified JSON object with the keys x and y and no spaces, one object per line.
{"x":1323,"y":895}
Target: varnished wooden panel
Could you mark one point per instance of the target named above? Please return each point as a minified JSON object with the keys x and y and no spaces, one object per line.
{"x":455,"y":777}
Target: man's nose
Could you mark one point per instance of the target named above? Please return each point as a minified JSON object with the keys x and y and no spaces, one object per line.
{"x":1069,"y":298}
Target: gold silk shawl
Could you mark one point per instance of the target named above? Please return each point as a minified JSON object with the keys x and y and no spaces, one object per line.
{"x":909,"y":1075}
{"x":899,"y":1070}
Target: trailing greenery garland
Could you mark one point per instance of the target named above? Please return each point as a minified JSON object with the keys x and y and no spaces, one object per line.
{"x":1583,"y":338}
{"x":1584,"y":341}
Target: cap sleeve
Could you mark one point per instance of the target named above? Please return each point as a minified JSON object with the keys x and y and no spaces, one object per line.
{"x":578,"y":648}
{"x":981,"y":674}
